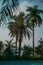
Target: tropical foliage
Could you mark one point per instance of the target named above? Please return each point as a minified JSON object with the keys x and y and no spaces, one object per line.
{"x":6,"y":10}
{"x":9,"y":48}
{"x":34,"y":18}
{"x":39,"y":48}
{"x":19,"y":29}
{"x":27,"y":51}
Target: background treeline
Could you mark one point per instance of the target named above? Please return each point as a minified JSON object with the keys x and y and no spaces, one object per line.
{"x":8,"y":51}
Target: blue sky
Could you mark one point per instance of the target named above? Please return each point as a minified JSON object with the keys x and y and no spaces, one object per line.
{"x":38,"y":30}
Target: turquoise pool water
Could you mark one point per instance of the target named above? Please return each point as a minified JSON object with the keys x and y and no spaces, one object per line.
{"x":21,"y":63}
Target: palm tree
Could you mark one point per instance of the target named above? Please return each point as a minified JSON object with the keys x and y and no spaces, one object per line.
{"x":12,"y":26}
{"x":34,"y":18}
{"x":20,"y":27}
{"x":9,"y":47}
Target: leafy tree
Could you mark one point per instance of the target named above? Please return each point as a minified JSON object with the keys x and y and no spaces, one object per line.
{"x":34,"y":18}
{"x":27,"y":51}
{"x":37,"y":51}
{"x":39,"y":48}
{"x":9,"y":48}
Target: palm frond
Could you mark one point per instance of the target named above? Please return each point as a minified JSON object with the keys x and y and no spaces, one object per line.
{"x":29,"y":9}
{"x":28,"y":34}
{"x":39,"y":20}
{"x":35,"y":7}
{"x":41,"y":11}
{"x":4,"y":1}
{"x":6,"y":45}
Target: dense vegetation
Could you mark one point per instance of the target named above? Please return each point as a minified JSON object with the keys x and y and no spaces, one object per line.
{"x":8,"y":51}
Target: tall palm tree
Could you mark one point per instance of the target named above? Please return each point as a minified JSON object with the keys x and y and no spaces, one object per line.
{"x":9,"y":47}
{"x":34,"y":18}
{"x":20,"y":27}
{"x":12,"y":26}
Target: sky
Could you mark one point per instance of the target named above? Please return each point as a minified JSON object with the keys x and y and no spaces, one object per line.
{"x":38,"y":30}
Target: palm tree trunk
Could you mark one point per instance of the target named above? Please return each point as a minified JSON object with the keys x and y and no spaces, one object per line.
{"x":33,"y":39}
{"x":37,"y":55}
{"x":19,"y":47}
{"x":16,"y":46}
{"x":20,"y":42}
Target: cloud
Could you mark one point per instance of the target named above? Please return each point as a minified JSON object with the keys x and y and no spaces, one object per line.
{"x":22,"y":7}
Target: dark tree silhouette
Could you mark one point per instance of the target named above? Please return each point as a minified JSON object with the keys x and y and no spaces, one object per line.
{"x":34,"y":18}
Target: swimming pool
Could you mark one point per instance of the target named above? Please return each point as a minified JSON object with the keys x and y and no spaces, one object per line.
{"x":21,"y":63}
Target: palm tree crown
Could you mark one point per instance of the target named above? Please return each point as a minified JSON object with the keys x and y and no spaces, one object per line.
{"x":34,"y":15}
